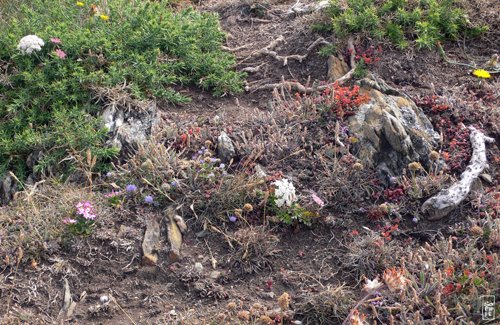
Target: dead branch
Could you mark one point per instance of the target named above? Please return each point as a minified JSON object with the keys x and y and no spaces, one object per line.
{"x":444,"y":202}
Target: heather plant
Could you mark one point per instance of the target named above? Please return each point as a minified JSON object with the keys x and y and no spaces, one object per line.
{"x":52,"y":56}
{"x":401,"y":21}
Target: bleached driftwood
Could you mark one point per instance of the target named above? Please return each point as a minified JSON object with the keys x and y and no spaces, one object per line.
{"x":438,"y":206}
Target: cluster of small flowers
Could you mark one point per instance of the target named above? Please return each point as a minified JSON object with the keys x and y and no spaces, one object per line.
{"x":29,"y":44}
{"x":284,"y":192}
{"x":83,"y":209}
{"x":86,"y":210}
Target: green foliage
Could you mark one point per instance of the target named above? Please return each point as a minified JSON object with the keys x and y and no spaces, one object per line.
{"x":293,"y":214}
{"x":328,"y":50}
{"x":425,"y":21}
{"x":46,"y":104}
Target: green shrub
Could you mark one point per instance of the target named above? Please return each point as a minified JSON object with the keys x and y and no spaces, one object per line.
{"x":46,"y":103}
{"x":425,"y":21}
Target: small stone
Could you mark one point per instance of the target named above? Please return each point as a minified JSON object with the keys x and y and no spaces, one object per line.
{"x":476,"y":231}
{"x":104,"y":299}
{"x":268,"y":295}
{"x":259,"y":171}
{"x":198,"y":267}
{"x":225,"y":148}
{"x":215,"y":275}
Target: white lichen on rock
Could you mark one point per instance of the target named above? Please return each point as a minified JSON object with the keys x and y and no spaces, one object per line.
{"x":438,"y":206}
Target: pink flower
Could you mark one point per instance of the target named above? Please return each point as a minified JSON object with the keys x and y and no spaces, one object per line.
{"x":69,"y":221}
{"x":316,"y":199}
{"x":60,"y":53}
{"x":56,"y":40}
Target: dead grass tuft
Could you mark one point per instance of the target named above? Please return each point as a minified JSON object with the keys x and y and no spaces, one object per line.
{"x":254,"y":249}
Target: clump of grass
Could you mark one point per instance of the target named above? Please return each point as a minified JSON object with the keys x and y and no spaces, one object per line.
{"x":33,"y":225}
{"x":368,"y":255}
{"x":424,"y":22}
{"x":329,"y":306}
{"x":254,"y":247}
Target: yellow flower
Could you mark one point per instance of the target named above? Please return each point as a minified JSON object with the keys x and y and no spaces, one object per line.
{"x":104,"y":17}
{"x":80,"y":4}
{"x":480,"y":73}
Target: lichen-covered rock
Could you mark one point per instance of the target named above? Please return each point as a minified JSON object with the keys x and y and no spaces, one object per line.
{"x":129,"y":128}
{"x":8,"y":187}
{"x":225,"y":148}
{"x":392,"y":132}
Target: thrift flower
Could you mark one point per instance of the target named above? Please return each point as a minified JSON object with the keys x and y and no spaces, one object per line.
{"x":148,"y":199}
{"x":29,"y":44}
{"x":112,"y":194}
{"x":80,"y":4}
{"x":284,"y":192}
{"x":55,"y":40}
{"x":60,"y":53}
{"x":131,"y":188}
{"x":69,"y":221}
{"x":86,"y":210}
{"x":480,"y":73}
{"x":104,"y":17}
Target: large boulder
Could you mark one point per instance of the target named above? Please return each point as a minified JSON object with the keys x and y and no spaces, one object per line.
{"x":392,"y":131}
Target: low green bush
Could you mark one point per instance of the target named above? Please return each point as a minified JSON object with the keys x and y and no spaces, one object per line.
{"x":46,"y":101}
{"x":424,"y":21}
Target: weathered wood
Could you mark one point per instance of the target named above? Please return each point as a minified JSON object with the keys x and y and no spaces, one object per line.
{"x":438,"y":206}
{"x":150,"y":242}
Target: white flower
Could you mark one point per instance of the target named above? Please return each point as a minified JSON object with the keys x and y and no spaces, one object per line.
{"x":29,"y":44}
{"x":372,"y":285}
{"x":284,"y":192}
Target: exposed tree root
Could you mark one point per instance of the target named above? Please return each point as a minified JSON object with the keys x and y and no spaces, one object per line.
{"x":297,"y":86}
{"x":438,"y":206}
{"x":268,"y":50}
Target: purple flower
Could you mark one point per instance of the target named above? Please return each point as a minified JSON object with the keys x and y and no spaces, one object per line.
{"x":221,"y":166}
{"x":415,"y":219}
{"x":173,"y":184}
{"x":232,"y":218}
{"x":211,"y":175}
{"x":213,"y":160}
{"x":131,"y":188}
{"x":148,"y":199}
